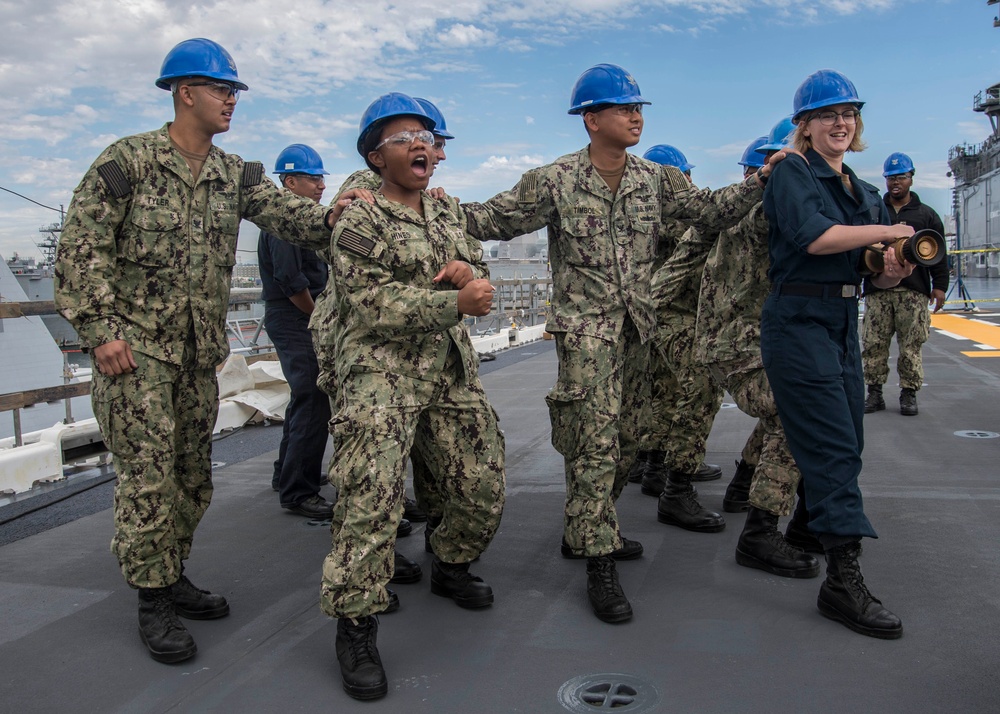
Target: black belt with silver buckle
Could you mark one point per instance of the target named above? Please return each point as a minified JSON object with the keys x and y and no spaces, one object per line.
{"x":823,"y":290}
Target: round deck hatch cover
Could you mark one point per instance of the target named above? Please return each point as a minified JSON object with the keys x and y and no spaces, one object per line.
{"x":976,"y":434}
{"x":624,"y":693}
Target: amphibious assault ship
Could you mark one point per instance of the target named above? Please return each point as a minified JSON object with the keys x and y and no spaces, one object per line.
{"x":976,"y":196}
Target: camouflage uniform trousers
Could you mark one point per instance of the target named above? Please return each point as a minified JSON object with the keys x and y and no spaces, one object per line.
{"x":157,"y":422}
{"x":776,"y":477}
{"x":904,"y":312}
{"x":594,"y":410}
{"x":424,"y":486}
{"x":660,"y":377}
{"x":755,"y":442}
{"x":327,"y":382}
{"x":652,"y":357}
{"x":382,"y":416}
{"x":685,"y":399}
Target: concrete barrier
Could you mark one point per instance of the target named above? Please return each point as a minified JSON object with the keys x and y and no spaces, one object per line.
{"x":24,"y":466}
{"x":507,"y":337}
{"x":75,"y":442}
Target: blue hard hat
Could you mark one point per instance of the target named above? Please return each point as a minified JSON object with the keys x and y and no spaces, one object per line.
{"x":897,"y":163}
{"x":299,"y":159}
{"x":199,"y":58}
{"x":668,"y":156}
{"x":393,"y":104}
{"x":751,"y":157}
{"x":780,"y":136}
{"x":440,"y":128}
{"x":824,"y":89}
{"x":604,"y":84}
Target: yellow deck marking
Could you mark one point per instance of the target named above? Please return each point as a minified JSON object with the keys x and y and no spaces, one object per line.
{"x":978,"y":332}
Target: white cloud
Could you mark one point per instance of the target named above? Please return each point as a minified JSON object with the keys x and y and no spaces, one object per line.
{"x":932,"y":174}
{"x":973,"y":131}
{"x":511,"y":163}
{"x":76,"y":75}
{"x":496,"y":174}
{"x":459,"y":35}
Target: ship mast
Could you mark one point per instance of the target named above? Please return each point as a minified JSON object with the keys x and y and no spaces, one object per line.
{"x":48,"y":245}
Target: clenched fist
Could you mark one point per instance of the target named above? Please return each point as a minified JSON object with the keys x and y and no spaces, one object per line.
{"x":476,"y":298}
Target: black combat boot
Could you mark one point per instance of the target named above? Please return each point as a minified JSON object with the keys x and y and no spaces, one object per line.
{"x":797,"y":531}
{"x":638,"y":467}
{"x":654,"y":478}
{"x":360,"y":664}
{"x":404,"y":528}
{"x":160,"y":628}
{"x":761,"y":546}
{"x":196,"y":604}
{"x":874,"y":402}
{"x":455,"y":581}
{"x":737,"y":498}
{"x":393,"y":604}
{"x":678,"y":506}
{"x":605,"y":592}
{"x":907,"y":402}
{"x":630,"y":550}
{"x":845,"y":597}
{"x":707,"y":472}
{"x":412,"y":512}
{"x":404,"y":569}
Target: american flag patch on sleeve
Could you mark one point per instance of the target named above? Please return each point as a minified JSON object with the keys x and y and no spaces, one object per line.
{"x":356,"y":243}
{"x":527,"y":189}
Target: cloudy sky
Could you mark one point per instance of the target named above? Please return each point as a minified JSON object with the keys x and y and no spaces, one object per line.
{"x":76,"y":75}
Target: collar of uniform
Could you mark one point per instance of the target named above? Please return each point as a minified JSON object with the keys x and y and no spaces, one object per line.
{"x":820,"y":167}
{"x":432,"y":208}
{"x":169,"y":158}
{"x":587,"y":177}
{"x":914,"y":200}
{"x":591,"y":181}
{"x":630,"y":179}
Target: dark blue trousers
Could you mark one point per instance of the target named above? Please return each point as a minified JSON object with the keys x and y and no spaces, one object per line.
{"x":813,"y":361}
{"x":299,"y":467}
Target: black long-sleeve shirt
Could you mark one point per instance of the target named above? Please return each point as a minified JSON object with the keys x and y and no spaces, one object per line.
{"x":287,"y":270}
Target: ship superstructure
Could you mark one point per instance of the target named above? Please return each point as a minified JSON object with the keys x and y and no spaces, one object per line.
{"x":976,"y":198}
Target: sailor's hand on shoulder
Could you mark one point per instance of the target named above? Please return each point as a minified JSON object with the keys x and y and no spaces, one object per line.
{"x":437,"y":193}
{"x":343,"y":201}
{"x":773,"y":160}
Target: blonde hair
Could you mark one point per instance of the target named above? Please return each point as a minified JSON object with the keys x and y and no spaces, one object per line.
{"x":803,"y":143}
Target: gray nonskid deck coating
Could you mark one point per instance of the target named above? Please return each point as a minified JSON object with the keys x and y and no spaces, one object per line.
{"x":709,"y":635}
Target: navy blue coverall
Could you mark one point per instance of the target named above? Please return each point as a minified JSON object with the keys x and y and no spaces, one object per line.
{"x":286,"y":270}
{"x":809,"y":337}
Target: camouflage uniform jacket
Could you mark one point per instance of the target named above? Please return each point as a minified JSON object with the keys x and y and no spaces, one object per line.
{"x":324,"y":311}
{"x":602,"y":245}
{"x":733,"y":289}
{"x":670,"y":234}
{"x":391,"y":316}
{"x":153,"y":266}
{"x":675,"y":284}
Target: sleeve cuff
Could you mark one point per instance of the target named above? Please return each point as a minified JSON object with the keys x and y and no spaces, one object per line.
{"x":295,"y":285}
{"x":99,"y":332}
{"x":812,"y":229}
